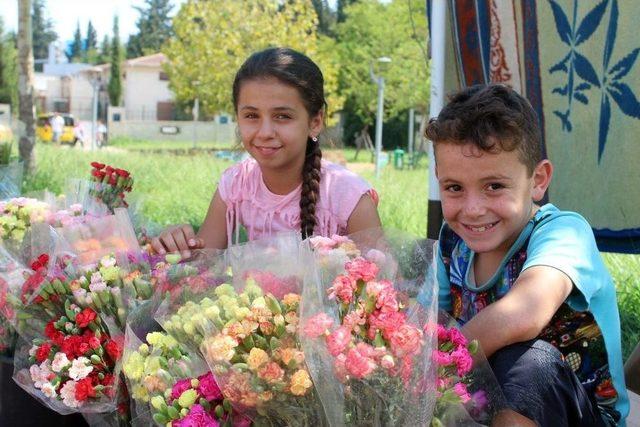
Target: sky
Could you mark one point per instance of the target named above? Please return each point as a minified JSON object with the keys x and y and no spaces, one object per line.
{"x":65,"y":15}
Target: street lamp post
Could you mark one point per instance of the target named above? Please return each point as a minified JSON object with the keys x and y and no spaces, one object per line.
{"x":379,"y":80}
{"x":96,"y":81}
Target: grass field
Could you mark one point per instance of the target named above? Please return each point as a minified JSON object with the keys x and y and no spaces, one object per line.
{"x":177,"y":189}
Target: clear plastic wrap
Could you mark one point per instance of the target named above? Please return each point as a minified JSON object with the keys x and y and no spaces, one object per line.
{"x":369,"y":339}
{"x":168,"y":383}
{"x":247,"y":332}
{"x":11,"y":179}
{"x":73,"y":366}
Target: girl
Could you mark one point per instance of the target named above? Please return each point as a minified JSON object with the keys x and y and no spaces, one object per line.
{"x":279,"y":101}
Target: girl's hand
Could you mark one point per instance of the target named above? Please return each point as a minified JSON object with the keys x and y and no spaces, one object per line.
{"x":177,"y":239}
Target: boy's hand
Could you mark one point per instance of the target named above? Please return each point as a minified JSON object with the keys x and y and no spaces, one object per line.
{"x":523,"y":312}
{"x":177,"y":239}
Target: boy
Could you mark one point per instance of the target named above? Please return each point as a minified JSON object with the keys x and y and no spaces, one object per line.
{"x":525,"y":280}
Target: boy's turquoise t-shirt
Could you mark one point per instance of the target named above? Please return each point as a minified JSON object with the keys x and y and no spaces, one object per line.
{"x":562,"y":240}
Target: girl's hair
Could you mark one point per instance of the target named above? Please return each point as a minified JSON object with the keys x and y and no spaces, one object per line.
{"x":297,"y":70}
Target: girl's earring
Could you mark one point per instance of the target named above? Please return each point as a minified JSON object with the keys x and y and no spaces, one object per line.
{"x":314,"y":138}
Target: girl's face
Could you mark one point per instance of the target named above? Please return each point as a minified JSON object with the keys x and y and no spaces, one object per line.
{"x":274,"y":124}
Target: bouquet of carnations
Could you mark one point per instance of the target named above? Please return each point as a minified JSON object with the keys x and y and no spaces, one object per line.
{"x":169,"y":384}
{"x":248,"y":332}
{"x":73,"y":366}
{"x":110,"y":185}
{"x":376,"y":356}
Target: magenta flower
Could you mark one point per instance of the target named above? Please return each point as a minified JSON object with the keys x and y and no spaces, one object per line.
{"x":461,"y":390}
{"x":442,"y":358}
{"x":197,"y":417}
{"x":180,"y":387}
{"x":208,"y":387}
{"x":457,"y":338}
{"x":463,"y":360}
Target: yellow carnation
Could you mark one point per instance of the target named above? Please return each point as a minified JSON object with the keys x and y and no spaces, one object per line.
{"x":300,"y":383}
{"x":257,"y":357}
{"x":220,"y":348}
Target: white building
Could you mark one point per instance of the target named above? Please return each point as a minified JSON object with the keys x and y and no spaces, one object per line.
{"x":146,"y":94}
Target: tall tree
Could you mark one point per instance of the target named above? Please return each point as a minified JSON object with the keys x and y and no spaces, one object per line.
{"x":75,"y":50}
{"x":326,"y":17}
{"x":115,"y":80}
{"x":27,"y":111}
{"x":105,"y":51}
{"x":8,"y":68}
{"x":214,"y":38}
{"x":340,"y":9}
{"x":43,"y":32}
{"x":373,"y":30}
{"x":154,"y":28}
{"x":90,"y":53}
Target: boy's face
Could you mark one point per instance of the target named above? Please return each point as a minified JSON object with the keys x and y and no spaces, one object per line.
{"x":487,"y":198}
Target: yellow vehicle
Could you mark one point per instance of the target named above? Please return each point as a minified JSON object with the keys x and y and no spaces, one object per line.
{"x":45,"y":134}
{"x":6,"y":135}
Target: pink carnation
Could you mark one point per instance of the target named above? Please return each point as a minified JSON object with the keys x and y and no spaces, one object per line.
{"x":463,"y":360}
{"x":342,"y":289}
{"x":354,"y":319}
{"x":442,"y":358}
{"x":405,"y":340}
{"x":358,"y":364}
{"x":340,"y":367}
{"x":387,"y":301}
{"x":386,"y":322}
{"x":443,"y":333}
{"x":338,"y":340}
{"x":318,"y":325}
{"x":461,"y":390}
{"x":457,"y":338}
{"x":361,"y":269}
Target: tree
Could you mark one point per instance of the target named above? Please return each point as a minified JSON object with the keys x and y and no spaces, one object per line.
{"x":212,"y":39}
{"x":90,"y":54}
{"x":340,"y":9}
{"x":154,"y":28}
{"x":75,"y":50}
{"x":8,"y":68}
{"x":27,"y":111}
{"x":105,"y":51}
{"x":372,"y":30}
{"x":326,"y":17}
{"x":43,"y":32}
{"x":114,"y":88}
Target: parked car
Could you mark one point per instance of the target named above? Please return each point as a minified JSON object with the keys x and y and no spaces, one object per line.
{"x":45,"y":134}
{"x":6,"y":135}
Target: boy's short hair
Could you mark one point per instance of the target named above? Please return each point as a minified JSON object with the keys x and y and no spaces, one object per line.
{"x":493,"y":117}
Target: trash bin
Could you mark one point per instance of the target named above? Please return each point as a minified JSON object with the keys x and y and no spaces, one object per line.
{"x":398,"y":158}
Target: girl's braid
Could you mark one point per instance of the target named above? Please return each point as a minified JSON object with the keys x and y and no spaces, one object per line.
{"x":310,"y":191}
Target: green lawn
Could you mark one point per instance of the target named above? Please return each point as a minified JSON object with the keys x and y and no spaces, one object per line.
{"x":177,"y":189}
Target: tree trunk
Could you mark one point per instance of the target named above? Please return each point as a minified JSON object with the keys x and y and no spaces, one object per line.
{"x":27,"y":112}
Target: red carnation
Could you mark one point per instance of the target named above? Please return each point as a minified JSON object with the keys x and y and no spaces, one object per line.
{"x":97,"y":165}
{"x":85,"y":317}
{"x":94,"y":342}
{"x":113,"y":350}
{"x":84,"y":389}
{"x":123,"y":173}
{"x":42,"y":353}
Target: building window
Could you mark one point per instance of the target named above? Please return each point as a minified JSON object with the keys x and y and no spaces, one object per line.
{"x":163,"y":76}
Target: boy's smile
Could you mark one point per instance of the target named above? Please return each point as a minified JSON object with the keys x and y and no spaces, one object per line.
{"x":487,"y":197}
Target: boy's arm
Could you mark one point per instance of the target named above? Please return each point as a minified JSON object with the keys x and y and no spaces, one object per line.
{"x":523,"y":312}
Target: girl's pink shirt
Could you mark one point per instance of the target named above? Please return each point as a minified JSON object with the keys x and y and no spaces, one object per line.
{"x":251,"y":204}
